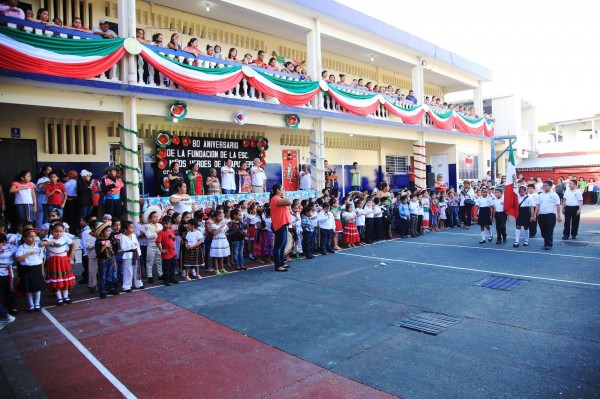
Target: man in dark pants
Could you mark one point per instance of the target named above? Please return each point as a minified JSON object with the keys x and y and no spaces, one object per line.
{"x":547,"y":209}
{"x":326,"y":225}
{"x":571,"y":204}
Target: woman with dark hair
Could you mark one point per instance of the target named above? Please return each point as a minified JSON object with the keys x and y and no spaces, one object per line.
{"x":41,"y":216}
{"x":174,"y":176}
{"x":24,"y":191}
{"x":232,"y":56}
{"x":174,"y":42}
{"x":192,"y":47}
{"x":281,"y":219}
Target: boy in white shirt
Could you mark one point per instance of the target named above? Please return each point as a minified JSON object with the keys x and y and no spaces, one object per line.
{"x":326,"y":225}
{"x":500,"y":216}
{"x":414,"y":206}
{"x":531,"y":191}
{"x":549,"y":212}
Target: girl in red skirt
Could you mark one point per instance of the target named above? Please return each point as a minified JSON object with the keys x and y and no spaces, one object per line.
{"x":350,"y":235}
{"x":60,"y":251}
{"x":335,"y":209}
{"x":251,"y":220}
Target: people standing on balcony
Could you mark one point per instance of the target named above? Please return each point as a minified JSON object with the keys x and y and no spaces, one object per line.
{"x":57,"y":22}
{"x":192,"y":47}
{"x":41,"y":216}
{"x":218,"y":52}
{"x":232,"y":56}
{"x":9,"y":9}
{"x":369,"y":86}
{"x":297,"y":69}
{"x":355,"y":177}
{"x":174,"y":42}
{"x":304,"y":75}
{"x":111,"y":186}
{"x":228,"y":177}
{"x":331,"y":79}
{"x":196,"y":180}
{"x":260,"y":59}
{"x":411,"y":97}
{"x":342,"y":80}
{"x":25,"y":201}
{"x":212,"y":183}
{"x":174,"y":175}
{"x":157,"y":40}
{"x":272,"y":64}
{"x":42,"y":16}
{"x":324,"y":75}
{"x":210,"y":51}
{"x":247,"y":60}
{"x":288,"y":67}
{"x":77,"y":24}
{"x":361,"y":84}
{"x":103,"y":30}
{"x":258,"y":177}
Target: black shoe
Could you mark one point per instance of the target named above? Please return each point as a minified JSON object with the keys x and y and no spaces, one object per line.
{"x":573,"y":238}
{"x":482,"y":241}
{"x":82,"y":281}
{"x":31,"y":309}
{"x":504,"y":240}
{"x":498,"y":241}
{"x":532,"y":235}
{"x":129,"y":291}
{"x":161,"y":278}
{"x":565,"y":237}
{"x":490,"y":238}
{"x":67,"y":301}
{"x":310,"y":257}
{"x":151,"y":280}
{"x":113,"y":292}
{"x":168,"y":283}
{"x":548,"y":247}
{"x":59,"y":302}
{"x":174,"y":281}
{"x":331,"y":251}
{"x":281,"y":269}
{"x":244,"y":268}
{"x":93,"y":290}
{"x":323,"y":253}
{"x":516,"y":245}
{"x":103,"y":295}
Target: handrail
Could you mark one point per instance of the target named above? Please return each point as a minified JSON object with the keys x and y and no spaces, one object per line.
{"x":4,"y":20}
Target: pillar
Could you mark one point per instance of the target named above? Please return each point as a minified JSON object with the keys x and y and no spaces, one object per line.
{"x":418,"y":84}
{"x":317,"y":151}
{"x":478,"y":99}
{"x":314,"y":59}
{"x":420,"y":162}
{"x":483,"y":168}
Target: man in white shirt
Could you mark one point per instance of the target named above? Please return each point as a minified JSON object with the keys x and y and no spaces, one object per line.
{"x":547,"y":209}
{"x":571,"y":205}
{"x":258,"y":177}
{"x":533,"y":194}
{"x":228,"y":177}
{"x":326,"y":225}
{"x":305,"y":178}
{"x":103,"y":30}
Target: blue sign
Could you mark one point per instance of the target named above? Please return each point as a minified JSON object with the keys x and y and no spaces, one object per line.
{"x":15,"y":132}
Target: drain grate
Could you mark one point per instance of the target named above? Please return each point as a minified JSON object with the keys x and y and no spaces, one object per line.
{"x":499,"y":283}
{"x":429,"y":323}
{"x":574,"y":244}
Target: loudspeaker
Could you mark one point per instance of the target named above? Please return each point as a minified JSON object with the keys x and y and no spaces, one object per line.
{"x":430,"y":179}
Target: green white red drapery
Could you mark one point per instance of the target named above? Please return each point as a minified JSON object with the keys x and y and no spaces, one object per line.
{"x":443,"y":121}
{"x":209,"y":81}
{"x":82,"y":59}
{"x":289,"y":92}
{"x":471,"y":126}
{"x":488,"y":128}
{"x":358,"y":104}
{"x":412,"y":115}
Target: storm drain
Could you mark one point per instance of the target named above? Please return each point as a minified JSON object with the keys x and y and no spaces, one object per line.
{"x":429,"y":323}
{"x":500,"y":283}
{"x":576,"y":244}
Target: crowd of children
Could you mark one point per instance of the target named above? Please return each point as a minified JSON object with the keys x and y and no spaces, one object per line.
{"x":120,"y":256}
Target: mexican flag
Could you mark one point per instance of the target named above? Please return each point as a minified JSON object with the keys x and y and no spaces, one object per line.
{"x":511,"y":202}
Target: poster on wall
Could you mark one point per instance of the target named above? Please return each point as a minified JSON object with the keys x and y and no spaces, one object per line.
{"x":289,"y":169}
{"x":208,"y":153}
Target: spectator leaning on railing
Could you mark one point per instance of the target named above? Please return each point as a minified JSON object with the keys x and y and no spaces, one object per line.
{"x":9,"y":8}
{"x":103,"y":30}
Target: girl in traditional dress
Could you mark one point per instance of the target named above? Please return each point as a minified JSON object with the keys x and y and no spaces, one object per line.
{"x":131,"y":253}
{"x":31,"y":276}
{"x":425,"y":206}
{"x":484,"y":214}
{"x":350,"y":235}
{"x":193,"y":257}
{"x":251,"y":220}
{"x":245,"y":180}
{"x":181,"y":232}
{"x":337,"y":229}
{"x":219,"y":247}
{"x":60,"y":251}
{"x":267,"y":245}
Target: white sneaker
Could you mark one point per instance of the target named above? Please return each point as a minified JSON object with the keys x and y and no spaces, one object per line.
{"x":193,"y":273}
{"x":9,"y":319}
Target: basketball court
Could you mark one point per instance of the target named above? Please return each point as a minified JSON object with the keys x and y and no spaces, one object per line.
{"x":331,"y":328}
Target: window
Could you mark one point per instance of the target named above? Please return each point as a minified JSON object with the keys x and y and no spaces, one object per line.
{"x":70,"y":137}
{"x":468,"y":166}
{"x":396,"y":164}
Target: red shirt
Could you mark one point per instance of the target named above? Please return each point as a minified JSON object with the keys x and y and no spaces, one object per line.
{"x":280,"y":215}
{"x":167,"y":240}
{"x":56,"y":198}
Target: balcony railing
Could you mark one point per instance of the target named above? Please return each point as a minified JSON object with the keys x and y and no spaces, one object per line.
{"x":381,"y":106}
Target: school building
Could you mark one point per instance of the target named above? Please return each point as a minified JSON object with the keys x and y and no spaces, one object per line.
{"x":73,"y":100}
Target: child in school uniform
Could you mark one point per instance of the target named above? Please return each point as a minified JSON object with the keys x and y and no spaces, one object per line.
{"x":351,"y":235}
{"x":193,"y":257}
{"x":85,"y":260}
{"x":377,"y":220}
{"x":532,"y":192}
{"x":526,"y":214}
{"x":434,"y":210}
{"x":60,"y":252}
{"x":7,"y":260}
{"x":500,"y":216}
{"x":106,"y":260}
{"x":251,"y":220}
{"x":326,"y":226}
{"x":153,"y":258}
{"x":235,"y":235}
{"x":219,"y":248}
{"x":360,"y":220}
{"x":89,"y":242}
{"x":307,"y":232}
{"x":415,"y":209}
{"x":443,"y":211}
{"x":369,"y":224}
{"x":165,"y":241}
{"x":143,"y":242}
{"x":404,"y":217}
{"x":453,"y":208}
{"x":296,"y":228}
{"x":484,"y":214}
{"x":425,"y":204}
{"x":130,"y":249}
{"x":30,"y":258}
{"x":115,"y":239}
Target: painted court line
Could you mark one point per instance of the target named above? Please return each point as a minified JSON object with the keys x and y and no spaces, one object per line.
{"x":92,"y":359}
{"x":397,"y":240}
{"x":475,"y":270}
{"x":477,"y":234}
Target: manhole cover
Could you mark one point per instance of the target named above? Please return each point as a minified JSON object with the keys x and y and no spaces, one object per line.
{"x":429,"y":323}
{"x":575,"y":244}
{"x":500,"y":283}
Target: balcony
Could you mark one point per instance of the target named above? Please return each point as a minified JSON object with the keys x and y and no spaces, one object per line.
{"x":79,"y":56}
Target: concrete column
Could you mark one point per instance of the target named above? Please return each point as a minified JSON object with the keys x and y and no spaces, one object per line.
{"x":418,"y":83}
{"x":317,"y":151}
{"x":483,"y":150}
{"x":420,"y":162}
{"x":129,"y":159}
{"x":314,"y":61}
{"x":478,"y":99}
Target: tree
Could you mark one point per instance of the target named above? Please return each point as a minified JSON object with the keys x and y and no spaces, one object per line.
{"x":545,"y":128}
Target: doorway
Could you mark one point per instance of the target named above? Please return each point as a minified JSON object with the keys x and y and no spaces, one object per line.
{"x":16,"y":155}
{"x":439,"y":166}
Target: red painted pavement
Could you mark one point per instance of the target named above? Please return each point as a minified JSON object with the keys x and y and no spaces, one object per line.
{"x":159,"y":350}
